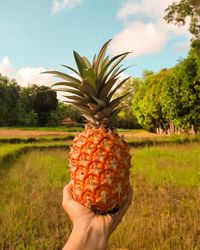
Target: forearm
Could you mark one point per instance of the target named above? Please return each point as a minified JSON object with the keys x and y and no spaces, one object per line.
{"x":85,"y":239}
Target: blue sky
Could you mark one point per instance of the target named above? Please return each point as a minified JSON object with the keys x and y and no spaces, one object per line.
{"x":41,"y":35}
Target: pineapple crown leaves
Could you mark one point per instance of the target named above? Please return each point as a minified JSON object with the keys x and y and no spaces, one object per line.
{"x":94,"y":86}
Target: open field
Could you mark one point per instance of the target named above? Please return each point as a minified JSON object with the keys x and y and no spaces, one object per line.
{"x":136,"y":138}
{"x":61,"y":131}
{"x":165,"y":213}
{"x":31,"y":133}
{"x":177,"y":165}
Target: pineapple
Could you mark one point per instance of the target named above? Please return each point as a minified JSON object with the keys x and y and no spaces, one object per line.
{"x":99,"y":158}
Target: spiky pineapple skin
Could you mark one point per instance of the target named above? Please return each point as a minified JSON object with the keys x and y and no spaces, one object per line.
{"x":99,"y":169}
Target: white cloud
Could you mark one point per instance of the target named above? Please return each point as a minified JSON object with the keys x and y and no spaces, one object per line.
{"x":145,"y":31}
{"x":30,"y":76}
{"x":5,"y":67}
{"x":59,"y":5}
{"x":139,"y":38}
{"x":153,"y":9}
{"x":25,"y":76}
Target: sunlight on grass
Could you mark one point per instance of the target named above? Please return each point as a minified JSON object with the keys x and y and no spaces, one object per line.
{"x":8,"y":148}
{"x":30,"y":210}
{"x":10,"y":152}
{"x":164,"y":213}
{"x":178,"y":165}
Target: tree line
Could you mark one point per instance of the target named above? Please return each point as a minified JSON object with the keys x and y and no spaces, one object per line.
{"x":31,"y":106}
{"x":163,"y":102}
{"x":169,"y":101}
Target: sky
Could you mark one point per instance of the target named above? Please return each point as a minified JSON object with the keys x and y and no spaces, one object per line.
{"x":36,"y":36}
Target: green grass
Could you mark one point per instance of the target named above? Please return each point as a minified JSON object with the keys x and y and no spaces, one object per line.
{"x":31,"y":215}
{"x":160,"y":140}
{"x":133,"y":141}
{"x":10,"y":152}
{"x":14,"y":146}
{"x":9,"y":148}
{"x":15,"y":140}
{"x":178,"y":165}
{"x":164,"y":214}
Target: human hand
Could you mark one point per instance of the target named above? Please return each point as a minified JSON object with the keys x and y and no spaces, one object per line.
{"x":90,"y":230}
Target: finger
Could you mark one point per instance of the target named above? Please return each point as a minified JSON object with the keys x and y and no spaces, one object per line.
{"x":73,"y":208}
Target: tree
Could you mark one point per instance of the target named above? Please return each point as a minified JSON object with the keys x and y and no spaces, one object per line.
{"x":147,"y":102}
{"x":178,"y":12}
{"x":27,"y":106}
{"x":28,"y":116}
{"x":64,"y":110}
{"x":169,"y":101}
{"x":9,"y":102}
{"x":45,"y":102}
{"x":181,"y":100}
{"x":126,"y":118}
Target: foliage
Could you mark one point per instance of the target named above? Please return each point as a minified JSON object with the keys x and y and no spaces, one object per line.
{"x":28,"y":106}
{"x":147,"y":101}
{"x":169,"y":101}
{"x":126,"y":118}
{"x":178,"y":12}
{"x":181,"y":100}
{"x":45,"y":102}
{"x":29,"y":116}
{"x":9,"y":102}
{"x":63,"y":110}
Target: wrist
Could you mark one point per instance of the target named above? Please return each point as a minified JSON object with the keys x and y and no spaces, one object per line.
{"x":86,"y":237}
{"x":92,"y":238}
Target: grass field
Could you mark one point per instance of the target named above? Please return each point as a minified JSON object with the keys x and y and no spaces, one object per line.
{"x":165,"y":212}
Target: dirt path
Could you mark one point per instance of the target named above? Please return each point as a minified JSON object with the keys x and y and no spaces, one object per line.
{"x":18,"y":133}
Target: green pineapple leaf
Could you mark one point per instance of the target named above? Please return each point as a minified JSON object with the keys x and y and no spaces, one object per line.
{"x":101,"y":56}
{"x":72,"y":91}
{"x":103,"y":75}
{"x":103,"y":94}
{"x":87,"y":62}
{"x":117,"y":87}
{"x":75,"y":71}
{"x":87,"y":89}
{"x":80,"y":63}
{"x":83,"y":101}
{"x":114,"y":103}
{"x":94,"y":61}
{"x":68,"y":84}
{"x":90,"y":77}
{"x":99,"y":101}
{"x":118,"y":59}
{"x":63,"y":76}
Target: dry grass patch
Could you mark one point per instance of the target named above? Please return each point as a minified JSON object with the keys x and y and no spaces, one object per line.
{"x":162,"y":216}
{"x":19,"y":133}
{"x":31,"y":215}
